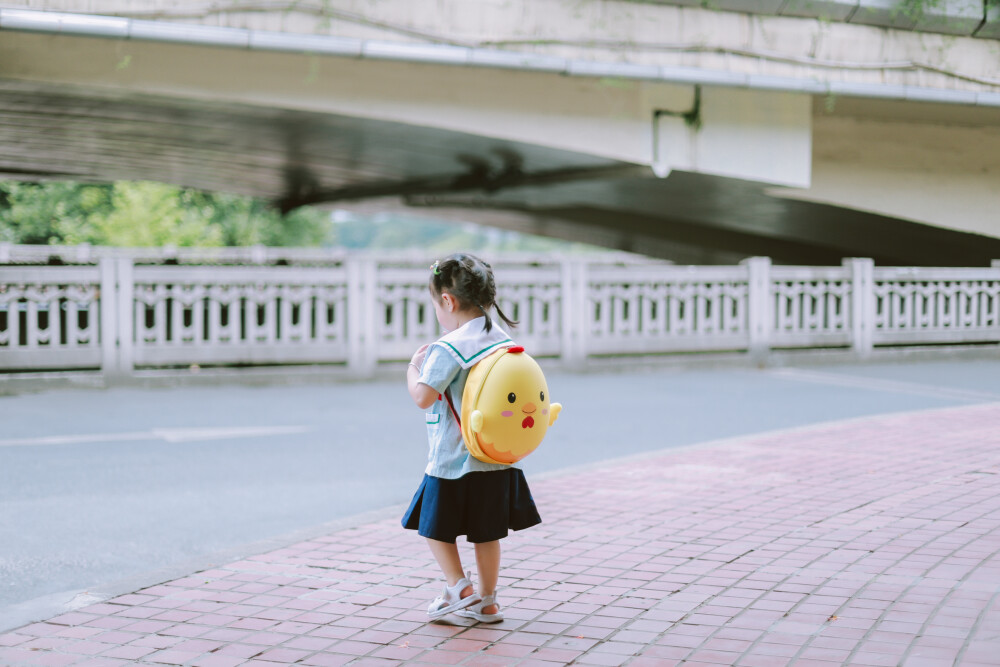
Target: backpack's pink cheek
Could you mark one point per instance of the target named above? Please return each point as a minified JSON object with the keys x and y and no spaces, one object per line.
{"x":507,"y":413}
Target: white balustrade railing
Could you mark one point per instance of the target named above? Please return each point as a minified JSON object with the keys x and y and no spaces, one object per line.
{"x":51,"y":317}
{"x":360,"y":310}
{"x":664,"y":309}
{"x":812,"y":306}
{"x":936,"y":305}
{"x":219,"y":315}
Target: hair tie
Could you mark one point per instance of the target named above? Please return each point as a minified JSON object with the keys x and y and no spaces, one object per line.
{"x":435,"y":269}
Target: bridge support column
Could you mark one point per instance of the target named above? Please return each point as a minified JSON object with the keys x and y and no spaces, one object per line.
{"x":744,"y":134}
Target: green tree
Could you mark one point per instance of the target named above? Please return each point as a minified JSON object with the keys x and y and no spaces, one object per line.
{"x":58,"y":212}
{"x":139,"y":213}
{"x":152,"y":214}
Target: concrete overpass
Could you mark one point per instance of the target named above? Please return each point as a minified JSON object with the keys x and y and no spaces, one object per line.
{"x":807,"y":133}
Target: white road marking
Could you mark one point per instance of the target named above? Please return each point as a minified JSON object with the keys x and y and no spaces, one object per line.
{"x":198,"y":434}
{"x":891,"y":386}
{"x":173,"y":435}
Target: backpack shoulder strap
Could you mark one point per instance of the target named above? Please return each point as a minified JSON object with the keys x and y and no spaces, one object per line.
{"x":451,"y":405}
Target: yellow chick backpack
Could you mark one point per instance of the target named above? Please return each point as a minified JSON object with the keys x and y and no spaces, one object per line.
{"x":506,"y":409}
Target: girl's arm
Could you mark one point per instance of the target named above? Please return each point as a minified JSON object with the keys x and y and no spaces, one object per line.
{"x":423,"y":395}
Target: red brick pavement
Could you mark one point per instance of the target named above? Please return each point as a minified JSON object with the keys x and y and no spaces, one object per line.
{"x":870,"y":542}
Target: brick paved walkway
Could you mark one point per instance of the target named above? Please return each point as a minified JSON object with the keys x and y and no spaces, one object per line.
{"x":869,"y":542}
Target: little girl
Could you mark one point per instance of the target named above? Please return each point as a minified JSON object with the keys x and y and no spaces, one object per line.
{"x":461,"y":495}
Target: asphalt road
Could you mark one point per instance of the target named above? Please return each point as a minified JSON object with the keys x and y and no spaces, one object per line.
{"x":103,"y":491}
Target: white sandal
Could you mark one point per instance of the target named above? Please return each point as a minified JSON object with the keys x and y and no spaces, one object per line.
{"x":451,"y":600}
{"x":475,"y":611}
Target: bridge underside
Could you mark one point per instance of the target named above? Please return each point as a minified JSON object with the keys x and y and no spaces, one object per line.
{"x":295,"y":157}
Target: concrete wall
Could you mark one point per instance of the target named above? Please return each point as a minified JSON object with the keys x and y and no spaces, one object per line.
{"x":616,"y":30}
{"x":923,"y":170}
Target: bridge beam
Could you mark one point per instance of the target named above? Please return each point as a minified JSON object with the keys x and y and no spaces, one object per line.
{"x":777,"y":146}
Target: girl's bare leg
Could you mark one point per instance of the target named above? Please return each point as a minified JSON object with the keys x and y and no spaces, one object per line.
{"x":488,"y":564}
{"x":446,"y":554}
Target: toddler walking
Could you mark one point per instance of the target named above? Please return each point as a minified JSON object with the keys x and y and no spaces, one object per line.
{"x":461,"y":495}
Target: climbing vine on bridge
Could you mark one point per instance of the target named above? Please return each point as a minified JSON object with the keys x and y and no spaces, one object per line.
{"x":915,"y":9}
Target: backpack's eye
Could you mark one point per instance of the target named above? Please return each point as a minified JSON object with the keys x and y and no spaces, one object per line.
{"x":511,"y":397}
{"x":541,"y":395}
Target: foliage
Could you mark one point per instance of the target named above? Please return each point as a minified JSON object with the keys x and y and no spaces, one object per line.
{"x":130,"y":213}
{"x":915,"y":9}
{"x":142,"y":213}
{"x":57,"y":212}
{"x":153,"y":214}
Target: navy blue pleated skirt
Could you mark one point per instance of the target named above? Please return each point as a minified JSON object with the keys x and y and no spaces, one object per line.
{"x":483,"y":506}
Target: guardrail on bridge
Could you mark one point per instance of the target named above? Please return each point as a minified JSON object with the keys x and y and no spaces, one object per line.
{"x":361,"y":310}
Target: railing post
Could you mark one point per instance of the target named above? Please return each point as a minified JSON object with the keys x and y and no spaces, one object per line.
{"x":361,"y":335}
{"x":108,"y":325}
{"x":574,"y":302}
{"x":258,"y":254}
{"x":759,"y":304}
{"x":369,"y":278}
{"x":125,"y":277}
{"x":862,"y":272}
{"x":996,"y":265}
{"x":83,"y":253}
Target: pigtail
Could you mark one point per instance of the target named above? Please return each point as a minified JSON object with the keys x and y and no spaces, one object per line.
{"x":509,"y":322}
{"x":488,"y":294}
{"x":488,"y":324}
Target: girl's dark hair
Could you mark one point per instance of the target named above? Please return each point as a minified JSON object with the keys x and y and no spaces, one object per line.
{"x":470,"y":280}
